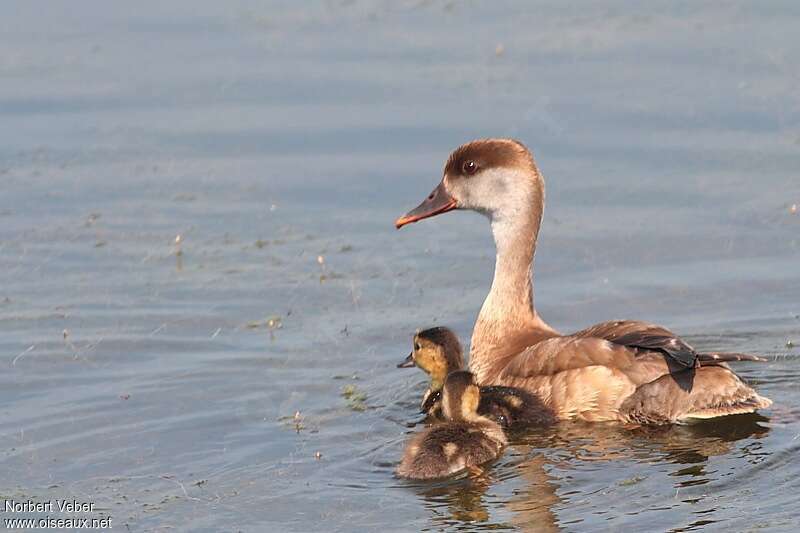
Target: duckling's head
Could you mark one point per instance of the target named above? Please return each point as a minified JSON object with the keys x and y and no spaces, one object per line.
{"x":438,"y":352}
{"x":460,"y":396}
{"x":495,"y":177}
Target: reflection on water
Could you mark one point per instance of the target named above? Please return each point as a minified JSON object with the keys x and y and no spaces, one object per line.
{"x":541,"y":461}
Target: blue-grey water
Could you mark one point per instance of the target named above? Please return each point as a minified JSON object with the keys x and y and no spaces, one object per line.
{"x":243,"y":378}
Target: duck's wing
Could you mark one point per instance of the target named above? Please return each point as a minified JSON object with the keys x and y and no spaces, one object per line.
{"x":647,"y":336}
{"x":591,"y":378}
{"x":644,"y":336}
{"x":560,"y":354}
{"x":577,"y":378}
{"x":638,"y":363}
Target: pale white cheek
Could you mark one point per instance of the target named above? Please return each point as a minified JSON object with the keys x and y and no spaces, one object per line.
{"x":495,"y":190}
{"x":497,"y":193}
{"x":503,"y":192}
{"x":479,"y":193}
{"x":460,"y":190}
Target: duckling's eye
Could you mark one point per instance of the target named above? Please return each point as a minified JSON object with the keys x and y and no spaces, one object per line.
{"x":417,"y":346}
{"x":469,"y":167}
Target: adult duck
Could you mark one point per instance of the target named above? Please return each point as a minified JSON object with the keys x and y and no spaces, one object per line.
{"x":624,"y":370}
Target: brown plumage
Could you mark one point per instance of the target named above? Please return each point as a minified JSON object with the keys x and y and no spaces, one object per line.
{"x":651,"y":337}
{"x":705,"y":392}
{"x":466,"y":439}
{"x":620,"y":370}
{"x":437,"y":351}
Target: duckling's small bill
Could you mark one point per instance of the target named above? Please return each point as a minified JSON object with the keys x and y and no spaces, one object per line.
{"x":408,"y":362}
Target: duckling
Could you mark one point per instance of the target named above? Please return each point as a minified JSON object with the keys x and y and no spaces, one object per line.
{"x":465,"y":440}
{"x":437,"y":351}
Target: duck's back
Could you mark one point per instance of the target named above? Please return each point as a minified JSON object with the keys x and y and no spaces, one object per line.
{"x":594,"y":379}
{"x":449,"y":448}
{"x":513,"y":407}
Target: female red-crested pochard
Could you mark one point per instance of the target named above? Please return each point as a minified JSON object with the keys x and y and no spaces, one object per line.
{"x":465,"y":440}
{"x":628,"y":371}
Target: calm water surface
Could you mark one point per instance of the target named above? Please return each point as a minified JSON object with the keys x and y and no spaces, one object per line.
{"x":280,"y":141}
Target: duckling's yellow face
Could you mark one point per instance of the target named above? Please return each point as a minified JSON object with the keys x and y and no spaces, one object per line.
{"x":430,"y":357}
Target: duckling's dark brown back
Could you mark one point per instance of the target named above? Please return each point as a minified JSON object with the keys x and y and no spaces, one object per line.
{"x":514,"y":408}
{"x":447,"y":448}
{"x":464,"y":440}
{"x":510,"y":407}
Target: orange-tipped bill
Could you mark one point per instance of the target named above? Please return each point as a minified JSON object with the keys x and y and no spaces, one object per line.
{"x":436,"y":203}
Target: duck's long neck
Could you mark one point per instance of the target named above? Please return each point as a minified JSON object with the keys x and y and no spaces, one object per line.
{"x":508,"y":315}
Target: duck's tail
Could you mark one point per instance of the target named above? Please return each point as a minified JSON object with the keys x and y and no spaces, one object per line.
{"x":701,"y":393}
{"x":727,"y":357}
{"x":749,"y":405}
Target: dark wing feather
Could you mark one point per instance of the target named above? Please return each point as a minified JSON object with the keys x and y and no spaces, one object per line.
{"x":644,"y":336}
{"x":712,"y":358}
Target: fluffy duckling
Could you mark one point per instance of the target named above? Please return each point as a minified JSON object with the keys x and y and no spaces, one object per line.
{"x":465,"y":440}
{"x":438,"y":352}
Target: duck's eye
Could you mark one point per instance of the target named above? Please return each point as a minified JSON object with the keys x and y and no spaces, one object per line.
{"x":417,"y":346}
{"x":469,"y":167}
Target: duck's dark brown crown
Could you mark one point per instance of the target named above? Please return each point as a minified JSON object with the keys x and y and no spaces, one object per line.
{"x":489,"y":153}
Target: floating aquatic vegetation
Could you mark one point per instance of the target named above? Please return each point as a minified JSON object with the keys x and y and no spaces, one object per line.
{"x":356,"y":399}
{"x":631,"y":481}
{"x":272,"y":323}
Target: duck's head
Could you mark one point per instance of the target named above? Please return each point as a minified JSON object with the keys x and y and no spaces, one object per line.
{"x":460,"y":396}
{"x":436,"y":351}
{"x":495,"y":177}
